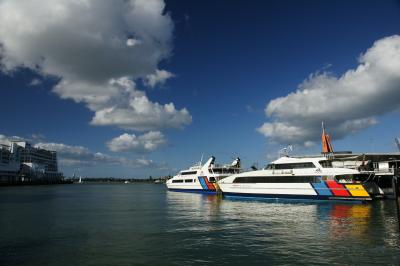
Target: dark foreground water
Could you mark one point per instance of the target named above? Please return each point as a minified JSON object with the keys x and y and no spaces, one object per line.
{"x":143,"y":224}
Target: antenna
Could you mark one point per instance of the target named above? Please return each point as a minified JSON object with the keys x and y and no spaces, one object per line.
{"x":290,"y":147}
{"x":397,"y":140}
{"x":285,"y":151}
{"x":201,"y":160}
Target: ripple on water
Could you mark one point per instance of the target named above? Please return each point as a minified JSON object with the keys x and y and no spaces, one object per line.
{"x":142,"y":224}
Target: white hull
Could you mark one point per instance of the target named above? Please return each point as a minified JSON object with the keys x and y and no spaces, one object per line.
{"x":292,"y":178}
{"x":272,"y":189}
{"x":201,"y":178}
{"x":184,"y":186}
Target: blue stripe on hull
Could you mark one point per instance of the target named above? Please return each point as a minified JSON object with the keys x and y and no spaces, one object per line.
{"x":322,"y":189}
{"x":202,"y":182}
{"x":203,"y":191}
{"x":289,"y":196}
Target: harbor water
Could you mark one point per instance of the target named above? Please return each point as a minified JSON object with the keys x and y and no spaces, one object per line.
{"x":143,"y":224}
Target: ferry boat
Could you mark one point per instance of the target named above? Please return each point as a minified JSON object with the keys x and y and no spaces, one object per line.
{"x":203,"y":178}
{"x":298,"y":178}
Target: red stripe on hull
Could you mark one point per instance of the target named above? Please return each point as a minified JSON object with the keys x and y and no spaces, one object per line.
{"x":337,"y":189}
{"x":209,"y":185}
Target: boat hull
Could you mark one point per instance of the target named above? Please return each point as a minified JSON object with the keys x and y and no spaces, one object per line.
{"x":328,"y":190}
{"x":201,"y":191}
{"x":293,"y":197}
{"x":201,"y":185}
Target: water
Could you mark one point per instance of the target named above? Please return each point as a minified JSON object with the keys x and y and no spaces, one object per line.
{"x":143,"y":224}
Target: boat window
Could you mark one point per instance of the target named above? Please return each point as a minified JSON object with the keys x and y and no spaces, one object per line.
{"x":277,"y":179}
{"x":294,"y":165}
{"x":270,"y":166}
{"x":189,"y":173}
{"x":352,"y":178}
{"x":225,"y":170}
{"x":212,"y":179}
{"x":326,"y":164}
{"x":188,"y":180}
{"x":177,"y":181}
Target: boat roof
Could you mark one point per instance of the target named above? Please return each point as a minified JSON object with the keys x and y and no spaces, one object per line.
{"x":287,"y":159}
{"x":374,"y":157}
{"x":210,"y":164}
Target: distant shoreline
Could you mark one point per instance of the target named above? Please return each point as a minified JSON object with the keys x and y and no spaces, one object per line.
{"x":106,"y":180}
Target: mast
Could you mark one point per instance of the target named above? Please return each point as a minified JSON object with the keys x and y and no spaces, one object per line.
{"x":397,"y":142}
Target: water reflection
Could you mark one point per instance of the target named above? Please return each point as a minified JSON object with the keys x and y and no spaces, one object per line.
{"x":349,"y":219}
{"x":285,"y":221}
{"x":190,"y":211}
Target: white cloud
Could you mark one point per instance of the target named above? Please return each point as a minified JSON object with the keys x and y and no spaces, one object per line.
{"x":6,"y":140}
{"x":79,"y":155}
{"x":346,"y":104}
{"x":159,"y":77}
{"x":141,"y":114}
{"x":89,"y":46}
{"x":35,"y":82}
{"x":76,"y":156}
{"x":133,"y":42}
{"x":144,"y":143}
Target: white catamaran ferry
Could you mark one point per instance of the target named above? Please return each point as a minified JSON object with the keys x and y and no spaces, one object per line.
{"x":298,"y":178}
{"x":202,"y":178}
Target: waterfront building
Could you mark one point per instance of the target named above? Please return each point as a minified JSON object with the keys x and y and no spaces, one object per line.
{"x":8,"y":168}
{"x":22,"y":162}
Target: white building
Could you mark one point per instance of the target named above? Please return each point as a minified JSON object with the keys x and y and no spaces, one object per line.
{"x":9,"y":168}
{"x":22,"y":162}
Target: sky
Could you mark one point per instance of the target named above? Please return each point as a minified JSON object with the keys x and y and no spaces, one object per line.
{"x":141,"y":88}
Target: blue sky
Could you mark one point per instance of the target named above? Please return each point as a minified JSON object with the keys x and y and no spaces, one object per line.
{"x":220,"y":63}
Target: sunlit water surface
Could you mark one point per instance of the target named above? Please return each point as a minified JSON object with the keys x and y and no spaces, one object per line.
{"x":143,"y":224}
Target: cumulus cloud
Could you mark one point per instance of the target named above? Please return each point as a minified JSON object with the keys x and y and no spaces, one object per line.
{"x":346,"y":104}
{"x":133,"y":42}
{"x":144,"y":143}
{"x":159,"y":77}
{"x":129,"y":108}
{"x":6,"y":140}
{"x":35,"y":82}
{"x":96,"y":48}
{"x":79,"y":155}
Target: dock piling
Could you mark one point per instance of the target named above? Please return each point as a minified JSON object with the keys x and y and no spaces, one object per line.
{"x":396,"y":194}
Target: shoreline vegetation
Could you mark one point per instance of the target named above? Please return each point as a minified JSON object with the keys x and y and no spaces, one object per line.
{"x":75,"y":180}
{"x":119,"y":180}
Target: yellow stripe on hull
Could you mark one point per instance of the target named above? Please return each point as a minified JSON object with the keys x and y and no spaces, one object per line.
{"x":357,"y":191}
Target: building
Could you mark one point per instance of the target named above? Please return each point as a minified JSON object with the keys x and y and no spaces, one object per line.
{"x":9,"y":169}
{"x":22,"y":162}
